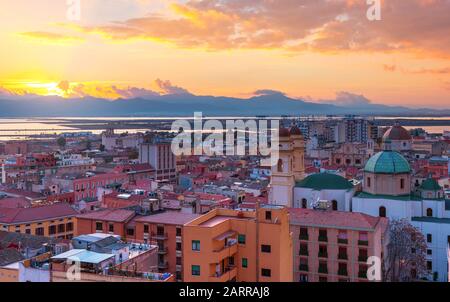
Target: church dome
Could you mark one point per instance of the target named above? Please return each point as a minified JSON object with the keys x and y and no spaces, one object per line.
{"x":430,"y":184}
{"x":396,"y":133}
{"x":325,"y":181}
{"x":295,"y":130}
{"x":387,"y":162}
{"x":284,"y":132}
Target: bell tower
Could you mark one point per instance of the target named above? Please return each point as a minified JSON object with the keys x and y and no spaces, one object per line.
{"x":298,"y":156}
{"x":282,"y":181}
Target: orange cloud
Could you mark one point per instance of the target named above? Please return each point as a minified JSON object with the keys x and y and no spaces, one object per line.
{"x":320,"y":25}
{"x":51,"y":37}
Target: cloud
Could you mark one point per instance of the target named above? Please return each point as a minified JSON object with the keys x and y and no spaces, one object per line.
{"x":444,"y":70}
{"x":389,"y":68}
{"x":348,"y":99}
{"x":268,"y":92}
{"x":134,"y":92}
{"x":295,"y":25}
{"x":51,"y":37}
{"x":166,"y":87}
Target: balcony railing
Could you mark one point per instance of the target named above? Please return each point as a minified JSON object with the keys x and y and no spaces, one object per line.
{"x":303,"y":252}
{"x":303,"y":237}
{"x":342,"y":256}
{"x":342,"y":241}
{"x":162,"y":250}
{"x":160,"y":236}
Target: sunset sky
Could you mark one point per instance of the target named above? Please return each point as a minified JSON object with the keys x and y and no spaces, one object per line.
{"x":314,"y":49}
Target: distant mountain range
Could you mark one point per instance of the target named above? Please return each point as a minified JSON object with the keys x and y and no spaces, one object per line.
{"x":273,"y":104}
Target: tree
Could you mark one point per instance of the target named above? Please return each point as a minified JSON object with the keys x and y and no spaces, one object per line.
{"x":61,"y":142}
{"x":406,"y":253}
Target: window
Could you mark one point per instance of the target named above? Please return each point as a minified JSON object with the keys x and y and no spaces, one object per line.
{"x":99,"y":226}
{"x":160,"y":231}
{"x":303,"y":234}
{"x":280,"y":165}
{"x":323,"y":235}
{"x":362,"y":255}
{"x":178,"y":232}
{"x":429,"y":265}
{"x":61,"y":228}
{"x":196,"y":245}
{"x":382,"y":212}
{"x":265,"y":272}
{"x":111,"y":228}
{"x":178,"y":246}
{"x":244,"y":262}
{"x":342,"y":237}
{"x":342,"y":269}
{"x":268,"y":215}
{"x":342,"y":254}
{"x":429,"y":212}
{"x":323,"y":251}
{"x":265,"y":248}
{"x":334,"y":205}
{"x":429,"y":252}
{"x":52,"y":230}
{"x":69,"y":227}
{"x":363,"y":238}
{"x":196,"y":270}
{"x":429,"y":238}
{"x":39,"y":231}
{"x":402,"y":183}
{"x":241,"y":239}
{"x":178,"y":261}
{"x":146,"y":228}
{"x":323,"y":267}
{"x":303,"y":249}
{"x":304,"y":203}
{"x":369,"y":182}
{"x":130,"y":232}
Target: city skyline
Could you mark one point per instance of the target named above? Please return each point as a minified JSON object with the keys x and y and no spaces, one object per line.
{"x":129,"y":49}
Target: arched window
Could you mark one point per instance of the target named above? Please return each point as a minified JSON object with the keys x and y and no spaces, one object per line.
{"x":280,"y":165}
{"x":304,"y":203}
{"x":429,"y":212}
{"x":402,"y":183}
{"x":382,"y":212}
{"x":334,"y":205}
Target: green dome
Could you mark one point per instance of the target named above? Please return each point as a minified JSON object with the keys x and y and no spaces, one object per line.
{"x":388,"y":162}
{"x":325,"y":181}
{"x":430,"y":185}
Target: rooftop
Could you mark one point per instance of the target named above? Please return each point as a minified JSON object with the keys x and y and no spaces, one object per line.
{"x":21,"y":215}
{"x":176,"y":218}
{"x":325,"y":181}
{"x":113,"y":215}
{"x":83,"y":256}
{"x":333,"y":219}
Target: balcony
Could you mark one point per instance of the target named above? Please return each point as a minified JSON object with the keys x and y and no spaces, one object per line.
{"x":227,"y":275}
{"x":303,"y":268}
{"x":160,"y":236}
{"x":225,"y":252}
{"x":342,"y":256}
{"x":162,"y":250}
{"x":163,"y":265}
{"x":363,"y":242}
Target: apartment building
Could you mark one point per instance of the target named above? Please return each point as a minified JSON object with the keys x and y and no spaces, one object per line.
{"x":244,"y":246}
{"x":166,"y":231}
{"x":56,"y":220}
{"x":332,"y":246}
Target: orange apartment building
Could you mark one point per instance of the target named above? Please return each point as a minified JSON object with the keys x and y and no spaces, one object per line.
{"x":230,"y":245}
{"x":56,"y":220}
{"x":332,"y":246}
{"x":166,"y":230}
